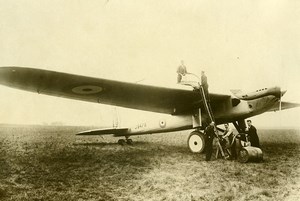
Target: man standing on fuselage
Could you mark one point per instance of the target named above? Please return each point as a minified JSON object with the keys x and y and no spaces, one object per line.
{"x":181,"y":71}
{"x":204,"y":85}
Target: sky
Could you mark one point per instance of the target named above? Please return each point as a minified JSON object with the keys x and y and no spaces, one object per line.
{"x":240,"y":44}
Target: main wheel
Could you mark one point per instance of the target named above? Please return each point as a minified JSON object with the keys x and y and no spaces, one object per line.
{"x":121,"y":141}
{"x":129,"y":141}
{"x":196,"y":142}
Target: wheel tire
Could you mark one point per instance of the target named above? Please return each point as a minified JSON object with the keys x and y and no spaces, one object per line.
{"x":129,"y":141}
{"x":196,"y":142}
{"x":121,"y":142}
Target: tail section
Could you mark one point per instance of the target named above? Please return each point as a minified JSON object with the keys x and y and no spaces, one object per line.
{"x":106,"y":131}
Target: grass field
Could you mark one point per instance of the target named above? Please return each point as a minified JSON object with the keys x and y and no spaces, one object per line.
{"x":50,"y":163}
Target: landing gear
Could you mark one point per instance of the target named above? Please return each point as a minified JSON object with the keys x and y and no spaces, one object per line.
{"x":122,"y":141}
{"x":129,"y":141}
{"x":240,"y":125}
{"x":196,"y":142}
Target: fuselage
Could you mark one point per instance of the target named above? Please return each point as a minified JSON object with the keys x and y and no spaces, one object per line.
{"x":227,"y":112}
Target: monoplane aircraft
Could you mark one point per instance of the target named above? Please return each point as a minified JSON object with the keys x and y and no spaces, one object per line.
{"x":185,"y":106}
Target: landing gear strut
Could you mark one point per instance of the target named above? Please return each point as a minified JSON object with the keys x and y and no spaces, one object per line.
{"x":240,"y":125}
{"x":196,"y":142}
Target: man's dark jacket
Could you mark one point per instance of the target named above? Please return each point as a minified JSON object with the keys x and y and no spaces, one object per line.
{"x":252,"y":133}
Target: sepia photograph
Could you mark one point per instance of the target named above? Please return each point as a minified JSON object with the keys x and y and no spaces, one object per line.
{"x":108,"y":100}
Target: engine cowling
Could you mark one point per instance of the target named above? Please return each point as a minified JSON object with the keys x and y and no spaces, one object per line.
{"x":275,"y":91}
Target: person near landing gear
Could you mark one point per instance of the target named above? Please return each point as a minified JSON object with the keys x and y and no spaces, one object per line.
{"x":252,"y":134}
{"x":230,"y":140}
{"x":210,"y":133}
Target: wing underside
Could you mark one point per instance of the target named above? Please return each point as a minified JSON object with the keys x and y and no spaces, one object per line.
{"x":123,"y":94}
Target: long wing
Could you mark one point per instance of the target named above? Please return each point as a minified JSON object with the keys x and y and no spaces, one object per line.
{"x":284,"y":106}
{"x":130,"y":95}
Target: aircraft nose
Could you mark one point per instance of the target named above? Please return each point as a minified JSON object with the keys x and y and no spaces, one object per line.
{"x":278,"y":92}
{"x":283,"y":92}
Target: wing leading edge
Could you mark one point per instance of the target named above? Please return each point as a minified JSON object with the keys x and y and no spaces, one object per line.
{"x":123,"y":94}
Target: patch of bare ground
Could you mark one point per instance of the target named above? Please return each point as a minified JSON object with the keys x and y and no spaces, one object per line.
{"x":49,"y":163}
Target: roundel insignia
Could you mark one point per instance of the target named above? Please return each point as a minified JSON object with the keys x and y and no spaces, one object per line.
{"x":87,"y":89}
{"x":162,"y":123}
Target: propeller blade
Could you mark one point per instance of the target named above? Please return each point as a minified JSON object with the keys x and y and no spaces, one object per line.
{"x":282,"y":93}
{"x":280,"y":104}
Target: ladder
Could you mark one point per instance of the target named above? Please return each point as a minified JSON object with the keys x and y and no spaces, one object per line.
{"x":212,"y":119}
{"x":198,"y":87}
{"x":206,"y":104}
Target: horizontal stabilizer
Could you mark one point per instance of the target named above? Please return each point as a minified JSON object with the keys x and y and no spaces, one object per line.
{"x":284,"y":106}
{"x":105,"y":131}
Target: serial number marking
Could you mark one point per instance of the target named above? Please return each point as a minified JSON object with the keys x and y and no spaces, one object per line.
{"x":141,"y":125}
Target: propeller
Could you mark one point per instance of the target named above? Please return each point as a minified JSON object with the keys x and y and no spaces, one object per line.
{"x":280,"y":103}
{"x":282,"y":92}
